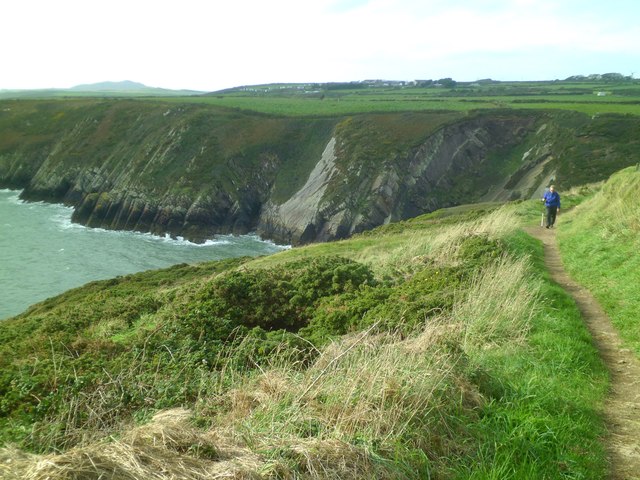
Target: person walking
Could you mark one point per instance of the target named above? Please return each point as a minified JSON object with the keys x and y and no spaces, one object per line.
{"x":551,"y":201}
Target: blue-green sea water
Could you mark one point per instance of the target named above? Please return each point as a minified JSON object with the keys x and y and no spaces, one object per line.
{"x":43,"y":254}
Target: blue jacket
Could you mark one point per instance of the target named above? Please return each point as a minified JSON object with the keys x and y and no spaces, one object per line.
{"x":551,"y":199}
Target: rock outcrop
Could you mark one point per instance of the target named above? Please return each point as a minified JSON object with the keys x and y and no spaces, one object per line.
{"x":419,"y":181}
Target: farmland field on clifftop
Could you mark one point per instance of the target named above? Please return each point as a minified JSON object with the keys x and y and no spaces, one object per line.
{"x":590,"y":97}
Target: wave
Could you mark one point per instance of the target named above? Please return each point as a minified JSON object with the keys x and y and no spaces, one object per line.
{"x":61,"y":216}
{"x":182,"y":241}
{"x":13,"y":196}
{"x":257,"y":238}
{"x":63,"y":219}
{"x":65,"y":223}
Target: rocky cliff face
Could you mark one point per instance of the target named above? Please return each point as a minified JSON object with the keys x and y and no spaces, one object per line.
{"x":297,"y":219}
{"x":196,"y":171}
{"x":189,"y":171}
{"x":418,"y":180}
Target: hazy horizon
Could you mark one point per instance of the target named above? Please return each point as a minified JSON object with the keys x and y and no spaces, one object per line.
{"x":210,"y":46}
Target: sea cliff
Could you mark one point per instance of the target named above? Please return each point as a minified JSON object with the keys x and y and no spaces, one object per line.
{"x":199,"y":170}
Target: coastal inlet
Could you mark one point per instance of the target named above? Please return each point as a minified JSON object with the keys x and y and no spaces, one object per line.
{"x":42,"y":253}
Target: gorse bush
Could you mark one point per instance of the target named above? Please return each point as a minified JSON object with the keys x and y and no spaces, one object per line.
{"x":283,"y":297}
{"x":402,"y":307}
{"x":406,"y":302}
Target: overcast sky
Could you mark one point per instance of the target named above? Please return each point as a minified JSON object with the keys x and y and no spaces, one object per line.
{"x":215,"y":44}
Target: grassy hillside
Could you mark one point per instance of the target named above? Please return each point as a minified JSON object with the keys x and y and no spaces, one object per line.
{"x":99,"y":134}
{"x":429,"y":348}
{"x":600,"y":241}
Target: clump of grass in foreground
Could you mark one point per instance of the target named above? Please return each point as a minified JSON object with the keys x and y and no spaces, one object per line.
{"x":600,"y":241}
{"x":499,"y":305}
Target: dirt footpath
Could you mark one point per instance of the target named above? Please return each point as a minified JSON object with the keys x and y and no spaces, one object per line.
{"x":622,"y":409}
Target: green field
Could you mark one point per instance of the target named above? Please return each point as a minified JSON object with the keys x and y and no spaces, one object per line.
{"x":621,"y":97}
{"x":591,"y":97}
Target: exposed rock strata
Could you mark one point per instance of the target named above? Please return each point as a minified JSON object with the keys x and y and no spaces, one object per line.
{"x":408,"y":186}
{"x":296,"y":220}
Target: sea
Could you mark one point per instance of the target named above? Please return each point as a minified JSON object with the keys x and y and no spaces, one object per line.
{"x":42,"y":253}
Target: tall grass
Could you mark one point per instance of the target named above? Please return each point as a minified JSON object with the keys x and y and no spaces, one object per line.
{"x":495,"y":225}
{"x":499,"y":305}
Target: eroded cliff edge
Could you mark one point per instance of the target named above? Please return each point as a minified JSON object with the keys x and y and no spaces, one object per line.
{"x":196,"y":170}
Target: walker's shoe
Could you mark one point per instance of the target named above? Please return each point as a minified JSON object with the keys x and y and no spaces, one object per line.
{"x":547,"y":226}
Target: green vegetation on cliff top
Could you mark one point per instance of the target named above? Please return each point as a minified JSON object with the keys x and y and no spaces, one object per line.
{"x":436,"y":347}
{"x":590,"y":97}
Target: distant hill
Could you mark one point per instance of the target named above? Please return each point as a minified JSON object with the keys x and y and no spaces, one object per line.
{"x":125,"y":85}
{"x":124,"y":88}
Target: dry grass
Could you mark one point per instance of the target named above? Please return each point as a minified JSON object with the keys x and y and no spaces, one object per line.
{"x":499,"y":305}
{"x":168,"y":447}
{"x":614,"y":210}
{"x":439,"y":245}
{"x":370,"y":386}
{"x":496,"y":224}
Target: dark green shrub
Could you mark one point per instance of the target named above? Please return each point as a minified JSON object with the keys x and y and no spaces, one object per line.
{"x":428,"y":293}
{"x":339,"y":314}
{"x":400,"y":307}
{"x":284,"y":297}
{"x":476,"y":250}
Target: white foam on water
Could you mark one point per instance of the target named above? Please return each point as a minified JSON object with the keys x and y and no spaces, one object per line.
{"x":77,"y":254}
{"x":183,"y":242}
{"x":15,"y":196}
{"x":269,"y":242}
{"x":62,"y":218}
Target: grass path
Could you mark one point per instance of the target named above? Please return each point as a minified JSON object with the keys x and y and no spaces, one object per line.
{"x":622,"y":408}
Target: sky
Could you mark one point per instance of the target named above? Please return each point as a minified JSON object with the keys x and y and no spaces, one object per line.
{"x":209,"y":45}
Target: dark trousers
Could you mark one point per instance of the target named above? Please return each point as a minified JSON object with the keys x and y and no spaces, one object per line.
{"x":551,"y":215}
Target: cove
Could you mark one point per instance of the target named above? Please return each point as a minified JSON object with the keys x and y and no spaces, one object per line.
{"x":42,"y":253}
